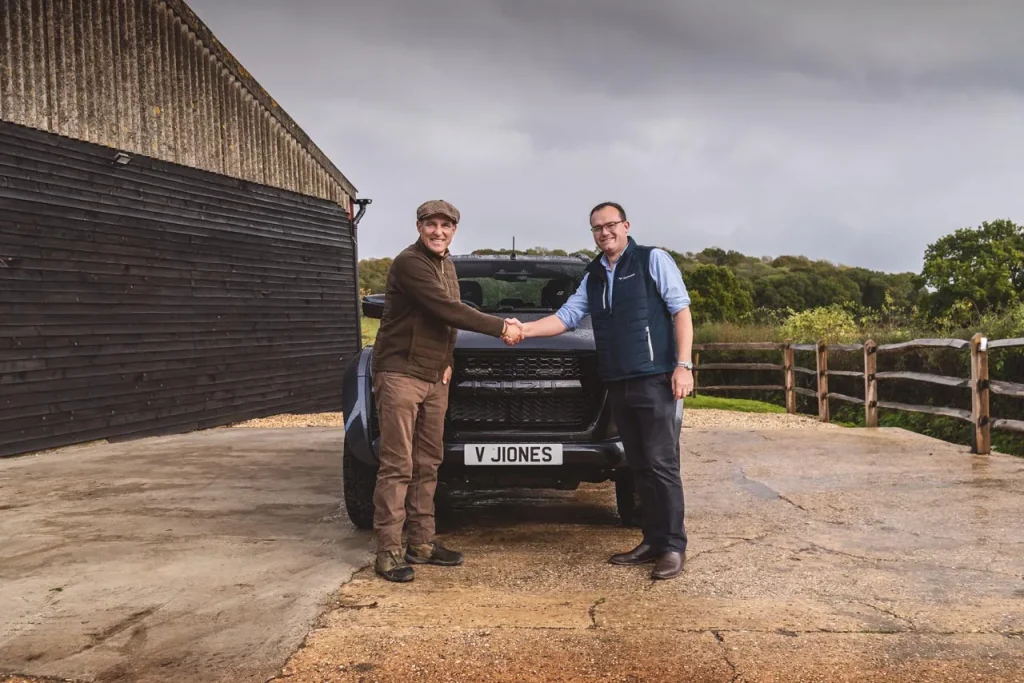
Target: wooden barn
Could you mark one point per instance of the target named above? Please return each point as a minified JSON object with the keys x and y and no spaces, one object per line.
{"x":175,"y":252}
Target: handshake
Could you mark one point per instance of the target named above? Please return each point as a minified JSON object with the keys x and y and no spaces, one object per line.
{"x":514,"y":333}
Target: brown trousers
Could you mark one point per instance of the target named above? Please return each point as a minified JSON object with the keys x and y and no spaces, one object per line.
{"x":411,"y":415}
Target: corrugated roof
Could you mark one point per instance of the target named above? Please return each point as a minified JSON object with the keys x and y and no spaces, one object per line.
{"x":149,"y":77}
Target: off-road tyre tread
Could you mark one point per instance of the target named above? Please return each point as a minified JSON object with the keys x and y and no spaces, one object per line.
{"x":360,"y":480}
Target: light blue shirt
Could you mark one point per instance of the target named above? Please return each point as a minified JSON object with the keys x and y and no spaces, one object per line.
{"x":664,"y":271}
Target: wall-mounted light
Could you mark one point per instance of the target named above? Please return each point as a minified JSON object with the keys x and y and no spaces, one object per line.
{"x":122,"y":159}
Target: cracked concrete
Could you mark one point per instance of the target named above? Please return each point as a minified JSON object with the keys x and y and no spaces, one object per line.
{"x":863,"y":563}
{"x":879,"y":555}
{"x":725,"y":653}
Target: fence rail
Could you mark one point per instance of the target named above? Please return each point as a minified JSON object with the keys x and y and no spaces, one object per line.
{"x":978,"y":383}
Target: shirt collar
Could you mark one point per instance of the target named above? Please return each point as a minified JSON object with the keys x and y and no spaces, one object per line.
{"x":604,"y":257}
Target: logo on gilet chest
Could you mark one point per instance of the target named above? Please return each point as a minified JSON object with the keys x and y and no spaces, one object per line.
{"x":625,"y":292}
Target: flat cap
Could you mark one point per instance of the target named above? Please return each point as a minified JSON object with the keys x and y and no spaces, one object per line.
{"x":437,"y":207}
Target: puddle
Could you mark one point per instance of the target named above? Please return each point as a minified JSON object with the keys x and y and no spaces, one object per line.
{"x":754,"y":487}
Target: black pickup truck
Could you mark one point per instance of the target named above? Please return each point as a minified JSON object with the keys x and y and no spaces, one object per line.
{"x":533,"y":415}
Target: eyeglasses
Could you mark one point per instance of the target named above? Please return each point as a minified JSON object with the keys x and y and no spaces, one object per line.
{"x":607,"y":226}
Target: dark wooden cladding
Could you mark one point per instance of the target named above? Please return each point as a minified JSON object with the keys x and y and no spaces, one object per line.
{"x":154,"y":298}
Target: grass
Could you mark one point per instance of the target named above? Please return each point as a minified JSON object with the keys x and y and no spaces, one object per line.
{"x":370,"y":327}
{"x":741,"y":405}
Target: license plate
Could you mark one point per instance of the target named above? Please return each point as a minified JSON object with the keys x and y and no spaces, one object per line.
{"x":513,"y":454}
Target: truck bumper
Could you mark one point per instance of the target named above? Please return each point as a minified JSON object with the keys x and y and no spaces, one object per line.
{"x":581,"y":462}
{"x":601,"y":455}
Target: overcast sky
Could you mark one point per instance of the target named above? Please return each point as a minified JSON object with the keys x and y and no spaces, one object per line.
{"x":855,"y":131}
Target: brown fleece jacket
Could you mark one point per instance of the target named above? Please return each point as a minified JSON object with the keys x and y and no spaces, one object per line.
{"x":423,"y":312}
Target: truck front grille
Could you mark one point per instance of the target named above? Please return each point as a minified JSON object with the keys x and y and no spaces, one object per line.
{"x":520,"y":367}
{"x":507,"y":391}
{"x":511,"y":410}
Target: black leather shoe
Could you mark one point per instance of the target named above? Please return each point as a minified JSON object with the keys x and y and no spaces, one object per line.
{"x":642,"y":554}
{"x":669,"y":565}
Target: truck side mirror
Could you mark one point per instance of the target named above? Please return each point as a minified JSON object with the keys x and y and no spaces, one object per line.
{"x":373,"y":306}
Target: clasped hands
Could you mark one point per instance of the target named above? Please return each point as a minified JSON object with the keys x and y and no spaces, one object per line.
{"x":514,"y":332}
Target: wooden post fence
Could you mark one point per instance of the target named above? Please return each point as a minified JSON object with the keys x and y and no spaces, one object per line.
{"x":979,"y":395}
{"x":870,"y":384}
{"x":823,"y":382}
{"x":787,"y":365}
{"x":696,"y":364}
{"x":979,"y":384}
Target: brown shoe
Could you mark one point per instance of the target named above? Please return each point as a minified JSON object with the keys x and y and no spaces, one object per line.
{"x":669,"y":565}
{"x":433,"y":553}
{"x":392,"y":567}
{"x":642,"y":554}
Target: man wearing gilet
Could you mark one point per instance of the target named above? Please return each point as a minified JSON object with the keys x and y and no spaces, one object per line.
{"x":643,"y":332}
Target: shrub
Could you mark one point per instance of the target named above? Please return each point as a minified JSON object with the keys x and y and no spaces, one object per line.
{"x":831,"y":324}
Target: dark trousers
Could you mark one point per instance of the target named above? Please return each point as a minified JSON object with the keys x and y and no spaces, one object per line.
{"x":645,"y":412}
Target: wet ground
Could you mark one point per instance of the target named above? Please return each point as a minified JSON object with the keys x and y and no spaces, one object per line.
{"x":198,"y":557}
{"x":815,"y":555}
{"x":829,"y":555}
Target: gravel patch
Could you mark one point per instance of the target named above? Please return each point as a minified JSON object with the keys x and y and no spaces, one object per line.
{"x":709,"y":418}
{"x":289,"y":420}
{"x":697,"y":418}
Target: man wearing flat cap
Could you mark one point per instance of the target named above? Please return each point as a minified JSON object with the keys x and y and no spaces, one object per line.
{"x":412,"y":365}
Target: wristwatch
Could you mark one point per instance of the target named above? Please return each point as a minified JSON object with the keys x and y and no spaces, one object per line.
{"x":685,"y":364}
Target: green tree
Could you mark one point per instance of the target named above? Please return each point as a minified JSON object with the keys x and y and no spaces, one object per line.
{"x":717,"y":295}
{"x":975,"y":268}
{"x":781,"y":290}
{"x":373,"y":275}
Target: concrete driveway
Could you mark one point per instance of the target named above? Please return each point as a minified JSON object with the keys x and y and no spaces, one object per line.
{"x":815,"y":556}
{"x":831,"y":555}
{"x":198,"y":557}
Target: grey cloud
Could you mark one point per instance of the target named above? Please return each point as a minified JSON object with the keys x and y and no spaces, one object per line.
{"x":856,"y":132}
{"x":616,"y":46}
{"x":876,"y":44}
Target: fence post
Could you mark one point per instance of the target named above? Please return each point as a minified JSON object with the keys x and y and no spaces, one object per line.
{"x":696,"y":362}
{"x":870,"y":384}
{"x":823,"y":382}
{"x":790,"y":382}
{"x":979,"y":395}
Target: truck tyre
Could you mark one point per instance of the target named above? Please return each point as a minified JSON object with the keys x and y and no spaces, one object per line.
{"x":360,"y":480}
{"x":627,"y":500}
